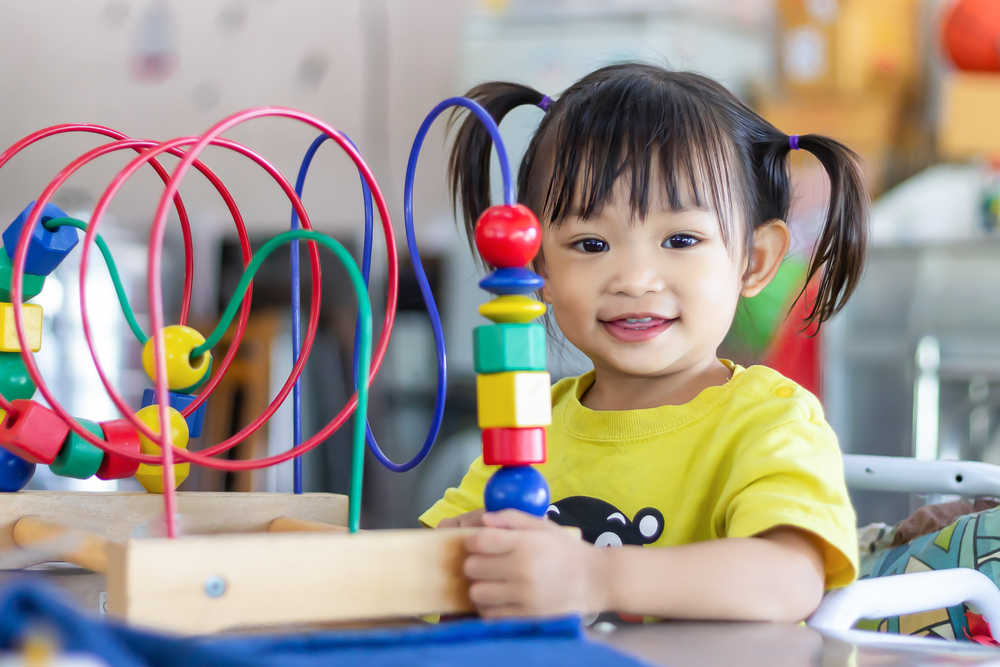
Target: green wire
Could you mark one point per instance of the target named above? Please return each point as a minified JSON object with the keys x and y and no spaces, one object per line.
{"x":56,"y":223}
{"x":364,"y":316}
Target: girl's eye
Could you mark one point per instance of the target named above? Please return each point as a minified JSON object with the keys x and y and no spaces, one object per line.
{"x":680,"y":241}
{"x":591,"y":245}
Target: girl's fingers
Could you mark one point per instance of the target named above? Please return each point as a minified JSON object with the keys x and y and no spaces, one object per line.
{"x":486,"y":594}
{"x":489,"y":568}
{"x":491,"y":542}
{"x":514,"y":519}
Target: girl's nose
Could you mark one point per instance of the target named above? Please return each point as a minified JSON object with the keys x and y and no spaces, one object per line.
{"x":635,"y":275}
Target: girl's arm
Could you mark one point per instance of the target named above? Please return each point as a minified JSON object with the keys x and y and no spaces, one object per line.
{"x":529,"y":566}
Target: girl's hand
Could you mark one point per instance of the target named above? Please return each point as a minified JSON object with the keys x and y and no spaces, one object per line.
{"x":524,"y":566}
{"x":473,"y":519}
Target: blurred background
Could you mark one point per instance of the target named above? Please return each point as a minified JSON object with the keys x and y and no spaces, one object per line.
{"x":911,"y":367}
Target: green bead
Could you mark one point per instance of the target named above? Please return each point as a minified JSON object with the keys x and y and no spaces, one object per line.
{"x":31,"y":285}
{"x":15,"y":383}
{"x":499,"y":348}
{"x":78,"y":458}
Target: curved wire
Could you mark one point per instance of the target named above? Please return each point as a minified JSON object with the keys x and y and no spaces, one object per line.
{"x":441,"y":390}
{"x":366,"y":265}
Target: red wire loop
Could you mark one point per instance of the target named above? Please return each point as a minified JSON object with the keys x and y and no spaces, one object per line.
{"x":148,"y":151}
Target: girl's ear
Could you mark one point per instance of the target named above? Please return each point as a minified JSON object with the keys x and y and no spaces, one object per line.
{"x":771,"y":242}
{"x":538,"y":265}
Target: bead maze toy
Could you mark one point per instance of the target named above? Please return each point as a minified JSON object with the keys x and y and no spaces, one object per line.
{"x":252,"y":558}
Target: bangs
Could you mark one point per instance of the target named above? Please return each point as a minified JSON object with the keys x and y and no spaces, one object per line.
{"x":642,"y":138}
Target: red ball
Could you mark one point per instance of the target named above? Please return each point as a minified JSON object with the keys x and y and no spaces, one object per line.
{"x":508,"y":236}
{"x":971,"y":35}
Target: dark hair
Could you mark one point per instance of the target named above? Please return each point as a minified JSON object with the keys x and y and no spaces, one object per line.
{"x":707,"y":148}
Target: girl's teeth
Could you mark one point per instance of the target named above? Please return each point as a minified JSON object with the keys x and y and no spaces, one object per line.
{"x":632,"y":321}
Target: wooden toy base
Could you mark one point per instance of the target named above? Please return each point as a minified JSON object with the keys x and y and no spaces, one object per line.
{"x":228,"y":571}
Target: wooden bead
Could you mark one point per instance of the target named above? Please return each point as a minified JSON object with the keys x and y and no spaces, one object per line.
{"x":512,"y":308}
{"x":512,"y":281}
{"x":514,"y":400}
{"x":508,"y":236}
{"x":183,"y":373}
{"x":119,"y":432}
{"x":513,"y":446}
{"x":31,"y":285}
{"x":497,"y":348}
{"x":179,"y":401}
{"x":78,"y":458}
{"x":32,"y":326}
{"x":35,"y":433}
{"x":517,"y":488}
{"x":15,"y":383}
{"x":15,"y":472}
{"x":46,"y":250}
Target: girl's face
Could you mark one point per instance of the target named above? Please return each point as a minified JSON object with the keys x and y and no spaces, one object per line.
{"x":642,"y":297}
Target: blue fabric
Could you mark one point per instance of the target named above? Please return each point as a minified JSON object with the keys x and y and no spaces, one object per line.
{"x":27,"y":605}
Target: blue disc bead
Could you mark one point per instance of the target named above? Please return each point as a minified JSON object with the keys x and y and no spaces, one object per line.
{"x":46,"y":250}
{"x":517,"y":488}
{"x":512,"y":281}
{"x":179,"y":402}
{"x":15,"y":472}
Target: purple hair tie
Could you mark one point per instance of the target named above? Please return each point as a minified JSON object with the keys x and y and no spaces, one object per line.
{"x":793,"y":142}
{"x":544,"y":104}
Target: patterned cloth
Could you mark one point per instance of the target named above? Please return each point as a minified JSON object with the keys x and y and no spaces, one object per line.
{"x":971,"y":541}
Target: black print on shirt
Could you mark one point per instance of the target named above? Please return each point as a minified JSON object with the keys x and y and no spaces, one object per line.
{"x":604,"y":525}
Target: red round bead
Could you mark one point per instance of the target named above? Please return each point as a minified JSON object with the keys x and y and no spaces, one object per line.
{"x":513,"y":446}
{"x":119,"y":432}
{"x":508,"y":236}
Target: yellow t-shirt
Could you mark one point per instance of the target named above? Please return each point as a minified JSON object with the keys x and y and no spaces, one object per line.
{"x":738,"y":460}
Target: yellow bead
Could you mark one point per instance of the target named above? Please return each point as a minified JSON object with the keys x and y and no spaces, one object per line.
{"x":513,"y":400}
{"x":151,"y":476}
{"x":182,"y":371}
{"x":150,"y":416}
{"x":512,"y":308}
{"x":32,"y":326}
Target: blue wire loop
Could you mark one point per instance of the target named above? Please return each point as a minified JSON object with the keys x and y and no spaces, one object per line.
{"x":418,"y":269}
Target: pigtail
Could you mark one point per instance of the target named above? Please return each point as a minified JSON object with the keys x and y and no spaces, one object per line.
{"x":840,"y":253}
{"x":469,"y":165}
{"x":842,"y":248}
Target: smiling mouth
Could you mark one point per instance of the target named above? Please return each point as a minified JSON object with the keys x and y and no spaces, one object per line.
{"x":637,"y":329}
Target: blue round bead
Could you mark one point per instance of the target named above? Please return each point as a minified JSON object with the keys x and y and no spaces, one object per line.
{"x":15,"y":472}
{"x":517,"y":488}
{"x":512,"y":281}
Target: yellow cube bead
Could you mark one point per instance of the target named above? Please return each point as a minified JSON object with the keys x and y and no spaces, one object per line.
{"x":32,"y":326}
{"x":513,"y":400}
{"x":183,"y":373}
{"x":151,"y":476}
{"x":512,"y":308}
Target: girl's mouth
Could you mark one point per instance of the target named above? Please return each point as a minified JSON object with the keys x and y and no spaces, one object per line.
{"x":638,"y":328}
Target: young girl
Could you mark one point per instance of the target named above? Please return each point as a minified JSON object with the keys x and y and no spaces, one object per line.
{"x":662,"y":200}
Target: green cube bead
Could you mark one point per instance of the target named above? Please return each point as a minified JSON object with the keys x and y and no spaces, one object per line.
{"x":78,"y":458}
{"x":15,"y":383}
{"x":499,"y":348}
{"x":31,"y":286}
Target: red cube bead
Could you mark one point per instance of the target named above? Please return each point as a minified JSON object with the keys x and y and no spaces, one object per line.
{"x":513,"y":446}
{"x":35,"y":433}
{"x":119,"y":432}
